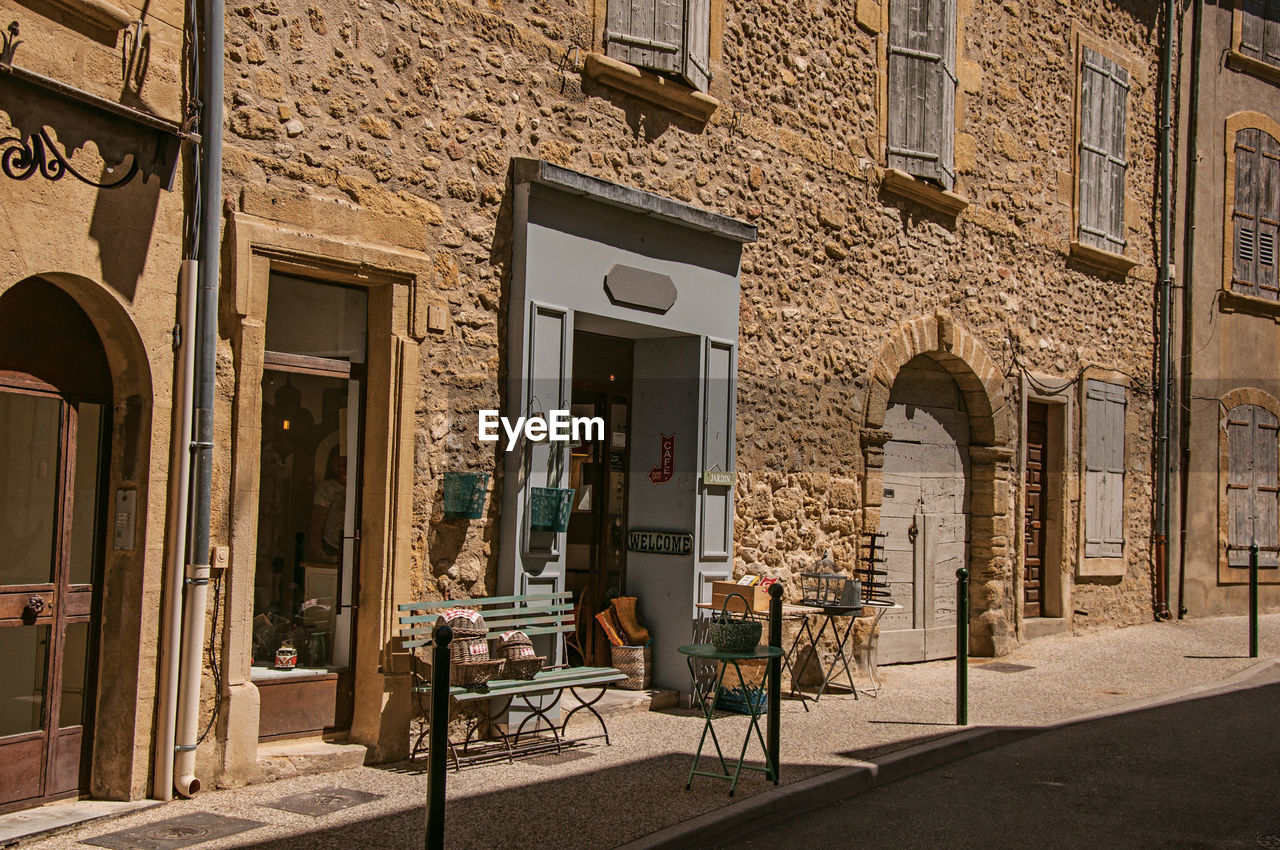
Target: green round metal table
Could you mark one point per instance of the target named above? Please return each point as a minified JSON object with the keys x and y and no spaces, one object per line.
{"x":708,"y":652}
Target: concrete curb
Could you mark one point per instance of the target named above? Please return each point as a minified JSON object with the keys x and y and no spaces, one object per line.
{"x":832,"y":786}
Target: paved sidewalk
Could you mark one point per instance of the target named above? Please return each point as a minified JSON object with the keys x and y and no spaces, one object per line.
{"x":597,"y":796}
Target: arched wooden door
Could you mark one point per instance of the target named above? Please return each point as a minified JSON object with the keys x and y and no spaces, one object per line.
{"x":54,"y":423}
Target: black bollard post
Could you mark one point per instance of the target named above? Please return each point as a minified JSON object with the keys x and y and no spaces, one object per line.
{"x":438,"y":741}
{"x":962,"y":647}
{"x":1253,"y":600}
{"x":774,"y":720}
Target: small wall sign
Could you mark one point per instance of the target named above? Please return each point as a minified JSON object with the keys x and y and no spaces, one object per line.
{"x":717,"y":478}
{"x":660,"y":542}
{"x":662,"y":473}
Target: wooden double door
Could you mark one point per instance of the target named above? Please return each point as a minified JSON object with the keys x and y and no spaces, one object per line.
{"x":52,"y":450}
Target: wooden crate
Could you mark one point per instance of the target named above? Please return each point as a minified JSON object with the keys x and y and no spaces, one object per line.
{"x":758,"y":596}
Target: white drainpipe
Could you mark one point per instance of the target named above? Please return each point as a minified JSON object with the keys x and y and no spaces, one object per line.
{"x":180,"y":464}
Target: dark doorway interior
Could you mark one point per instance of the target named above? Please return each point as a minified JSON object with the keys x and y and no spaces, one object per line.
{"x":596,"y":550}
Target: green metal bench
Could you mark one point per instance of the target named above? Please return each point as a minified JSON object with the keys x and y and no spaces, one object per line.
{"x":535,"y":614}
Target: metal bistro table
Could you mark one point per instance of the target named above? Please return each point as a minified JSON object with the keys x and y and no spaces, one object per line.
{"x":829,"y":613}
{"x":707,"y":652}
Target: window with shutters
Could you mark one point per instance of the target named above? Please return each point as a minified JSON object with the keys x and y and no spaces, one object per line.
{"x":1256,"y":39}
{"x":1101,"y":157}
{"x":921,"y":88}
{"x":660,"y":50}
{"x":1252,"y":486}
{"x":1104,"y":470}
{"x":1253,"y":220}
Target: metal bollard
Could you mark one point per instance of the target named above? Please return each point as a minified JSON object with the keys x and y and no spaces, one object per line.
{"x":962,"y":647}
{"x":1253,"y":600}
{"x":773,"y":724}
{"x":438,"y":740}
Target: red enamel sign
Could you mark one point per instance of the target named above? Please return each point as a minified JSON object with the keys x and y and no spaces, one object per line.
{"x":662,"y":473}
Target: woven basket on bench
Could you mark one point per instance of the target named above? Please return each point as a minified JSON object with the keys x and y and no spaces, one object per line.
{"x":469,"y":662}
{"x":516,"y":648}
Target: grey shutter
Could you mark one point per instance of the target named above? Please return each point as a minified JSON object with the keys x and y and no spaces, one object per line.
{"x":1103,"y":162}
{"x":547,"y":388}
{"x":719,"y":399}
{"x":922,"y":84}
{"x":1256,"y":215}
{"x":646,"y":33}
{"x":1252,"y":13}
{"x":1253,"y":436}
{"x":1104,"y":470}
{"x":697,"y":43}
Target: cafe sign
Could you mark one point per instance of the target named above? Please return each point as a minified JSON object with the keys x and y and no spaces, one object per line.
{"x":660,"y":542}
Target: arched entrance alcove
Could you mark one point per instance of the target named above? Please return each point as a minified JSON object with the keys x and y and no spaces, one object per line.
{"x":937,"y":426}
{"x":74,"y":432}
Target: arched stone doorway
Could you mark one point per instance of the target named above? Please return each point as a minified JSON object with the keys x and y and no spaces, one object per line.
{"x":937,"y":385}
{"x":74,"y":433}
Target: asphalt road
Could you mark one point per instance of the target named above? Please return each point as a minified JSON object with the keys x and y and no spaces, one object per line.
{"x":1199,"y":773}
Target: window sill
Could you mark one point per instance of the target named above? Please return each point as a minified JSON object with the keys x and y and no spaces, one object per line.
{"x":100,"y":13}
{"x":674,"y":96}
{"x":1101,"y":568}
{"x":1237,"y":61}
{"x":902,"y":184}
{"x":1235,"y":302}
{"x":1100,"y":259}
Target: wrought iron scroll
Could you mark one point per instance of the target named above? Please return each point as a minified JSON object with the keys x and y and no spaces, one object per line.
{"x":21,"y":159}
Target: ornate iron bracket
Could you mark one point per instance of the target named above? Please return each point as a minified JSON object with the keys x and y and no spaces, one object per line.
{"x":32,"y":150}
{"x":20,"y":160}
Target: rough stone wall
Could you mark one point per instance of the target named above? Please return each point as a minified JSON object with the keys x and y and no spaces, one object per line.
{"x":415,"y":108}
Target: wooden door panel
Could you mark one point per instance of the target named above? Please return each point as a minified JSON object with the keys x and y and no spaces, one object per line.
{"x":18,"y":781}
{"x":1037,"y":438}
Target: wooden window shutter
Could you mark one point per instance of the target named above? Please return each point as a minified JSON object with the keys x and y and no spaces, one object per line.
{"x":1104,"y":470}
{"x":1253,"y":494}
{"x":1103,"y":162}
{"x":697,"y":44}
{"x":1252,"y":13}
{"x":1256,"y":215}
{"x":922,"y":88}
{"x":646,"y":33}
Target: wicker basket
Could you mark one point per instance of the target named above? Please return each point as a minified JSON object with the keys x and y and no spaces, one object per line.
{"x":469,"y":632}
{"x":474,"y":674}
{"x":468,"y":651}
{"x":522,"y":668}
{"x":637,"y":663}
{"x":515,"y":645}
{"x":728,"y":634}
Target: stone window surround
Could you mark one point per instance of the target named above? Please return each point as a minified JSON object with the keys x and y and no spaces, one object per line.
{"x":396,"y":280}
{"x":1107,"y":261}
{"x":1232,"y":301}
{"x":1241,"y":395}
{"x":651,"y":86}
{"x":1104,"y":568}
{"x":948,"y":202}
{"x":1238,"y":61}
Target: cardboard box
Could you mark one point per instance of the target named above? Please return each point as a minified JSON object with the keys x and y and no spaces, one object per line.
{"x":756,"y":595}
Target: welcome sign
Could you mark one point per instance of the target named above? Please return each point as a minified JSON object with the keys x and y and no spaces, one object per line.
{"x":659,"y":542}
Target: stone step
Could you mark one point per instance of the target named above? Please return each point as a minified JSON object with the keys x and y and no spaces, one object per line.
{"x":285,"y":759}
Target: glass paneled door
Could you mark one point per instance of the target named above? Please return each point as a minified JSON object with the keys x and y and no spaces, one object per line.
{"x":51,"y":465}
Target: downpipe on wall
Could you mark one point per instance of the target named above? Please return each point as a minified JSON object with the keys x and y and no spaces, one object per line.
{"x":197,"y":570}
{"x":180,"y":464}
{"x":1165,"y":294}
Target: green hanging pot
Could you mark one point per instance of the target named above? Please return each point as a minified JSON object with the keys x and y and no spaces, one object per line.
{"x":464,"y":494}
{"x":550,"y":507}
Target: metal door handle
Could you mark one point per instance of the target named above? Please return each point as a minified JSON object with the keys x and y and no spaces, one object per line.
{"x":35,"y":605}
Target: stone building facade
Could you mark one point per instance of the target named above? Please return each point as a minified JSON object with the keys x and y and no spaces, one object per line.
{"x":1228,"y":382}
{"x":890,"y":266}
{"x":92,"y":203}
{"x":377,"y":145}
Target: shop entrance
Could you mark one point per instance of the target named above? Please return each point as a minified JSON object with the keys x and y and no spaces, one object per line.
{"x":596,"y":558}
{"x":55,"y":393}
{"x":308,"y":551}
